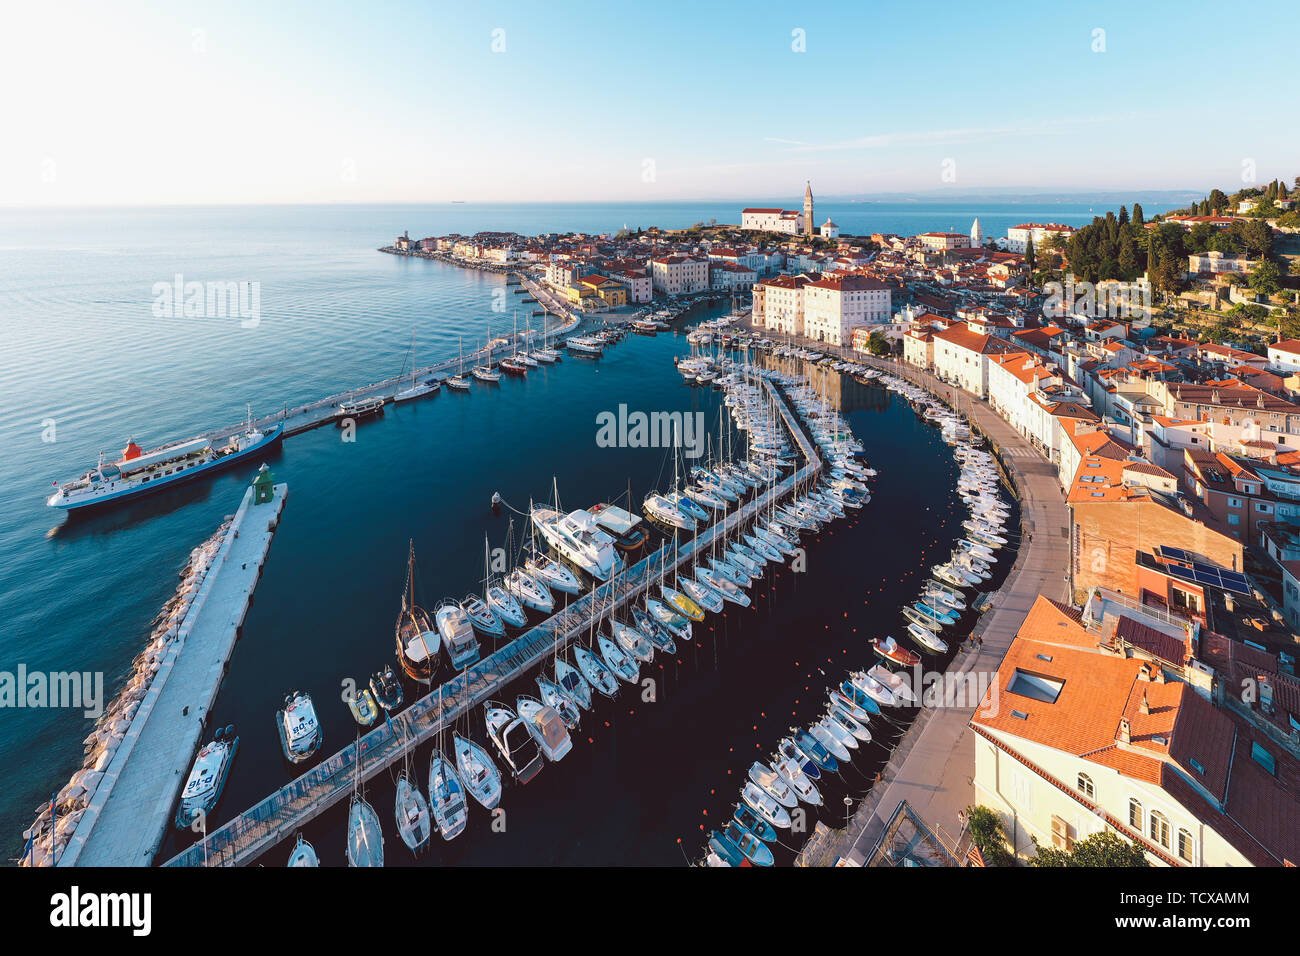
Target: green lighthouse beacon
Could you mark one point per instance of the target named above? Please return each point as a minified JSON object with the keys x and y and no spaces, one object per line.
{"x":263,"y":486}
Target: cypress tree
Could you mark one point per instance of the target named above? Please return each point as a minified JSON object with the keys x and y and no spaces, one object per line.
{"x":1029,"y":255}
{"x":1138,"y":219}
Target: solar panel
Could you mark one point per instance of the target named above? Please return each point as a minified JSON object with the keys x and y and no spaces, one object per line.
{"x":1176,"y":554}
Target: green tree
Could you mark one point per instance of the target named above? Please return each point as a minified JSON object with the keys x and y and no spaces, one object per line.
{"x":1138,"y":218}
{"x":987,"y":833}
{"x":1257,"y":237}
{"x":1266,"y":277}
{"x":1128,"y":258}
{"x":1029,"y":255}
{"x":1100,"y":849}
{"x":877,"y":344}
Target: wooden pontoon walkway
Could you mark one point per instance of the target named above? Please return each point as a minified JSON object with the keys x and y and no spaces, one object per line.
{"x":277,"y":817}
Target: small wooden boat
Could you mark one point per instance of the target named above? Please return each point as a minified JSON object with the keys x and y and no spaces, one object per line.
{"x":889,"y":649}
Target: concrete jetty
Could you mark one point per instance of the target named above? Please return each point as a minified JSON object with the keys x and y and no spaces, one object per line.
{"x":127,"y":819}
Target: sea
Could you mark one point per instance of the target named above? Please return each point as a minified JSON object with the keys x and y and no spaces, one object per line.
{"x":89,"y":361}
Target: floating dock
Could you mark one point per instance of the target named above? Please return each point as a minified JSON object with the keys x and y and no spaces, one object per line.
{"x":281,"y":814}
{"x":128,"y":817}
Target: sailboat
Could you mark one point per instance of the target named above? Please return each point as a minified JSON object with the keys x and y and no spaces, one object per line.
{"x":365,"y":835}
{"x":477,"y":772}
{"x":416,"y":389}
{"x":417,"y":641}
{"x":485,"y":372}
{"x":458,"y":381}
{"x":410,"y":809}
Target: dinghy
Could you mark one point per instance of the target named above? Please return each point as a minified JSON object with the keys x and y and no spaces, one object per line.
{"x":772,"y":784}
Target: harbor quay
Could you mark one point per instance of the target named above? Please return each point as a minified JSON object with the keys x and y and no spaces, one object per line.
{"x":130,"y":812}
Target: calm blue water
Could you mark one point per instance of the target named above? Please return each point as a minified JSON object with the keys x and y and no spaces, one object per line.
{"x":80,"y":346}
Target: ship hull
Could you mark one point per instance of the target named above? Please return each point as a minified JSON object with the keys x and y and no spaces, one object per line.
{"x":88,"y":505}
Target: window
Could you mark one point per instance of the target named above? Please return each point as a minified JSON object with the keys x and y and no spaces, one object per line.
{"x":1085,"y":786}
{"x":1036,"y":686}
{"x":1234,"y":519}
{"x":1263,"y":758}
{"x":1135,"y":814}
{"x":1234,"y":502}
{"x":1159,"y":829}
{"x":1184,"y":845}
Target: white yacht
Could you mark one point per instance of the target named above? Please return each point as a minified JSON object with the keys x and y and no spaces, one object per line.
{"x":207,"y":777}
{"x":580,"y":539}
{"x":300,"y":731}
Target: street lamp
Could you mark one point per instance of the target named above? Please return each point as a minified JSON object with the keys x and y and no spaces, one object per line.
{"x":848,"y":802}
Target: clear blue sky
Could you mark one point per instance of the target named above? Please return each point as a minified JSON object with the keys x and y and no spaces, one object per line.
{"x":362,"y":102}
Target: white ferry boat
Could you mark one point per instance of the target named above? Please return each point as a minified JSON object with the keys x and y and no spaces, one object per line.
{"x":585,"y":345}
{"x":139,"y":472}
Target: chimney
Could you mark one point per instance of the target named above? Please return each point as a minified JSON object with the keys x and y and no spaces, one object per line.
{"x":1123,"y":736}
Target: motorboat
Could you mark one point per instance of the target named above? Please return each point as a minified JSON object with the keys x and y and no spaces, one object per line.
{"x":546,"y":726}
{"x":529,"y":591}
{"x":554,"y":696}
{"x":477,"y":772}
{"x":207,"y":777}
{"x":363,"y":707}
{"x":889,"y":649}
{"x":839,"y":731}
{"x":874,"y":689}
{"x":927,"y":638}
{"x":816,"y":751}
{"x":570,"y":680}
{"x":411,"y":811}
{"x":623,"y":666}
{"x":795,"y":778}
{"x":723,"y":853}
{"x":506,"y":606}
{"x":921,"y":620}
{"x":772,"y":784}
{"x":849,"y":722}
{"x":300,"y":732}
{"x":513,"y":741}
{"x":791,"y":751}
{"x":897,"y":683}
{"x":580,"y":539}
{"x":758,"y":800}
{"x":304,"y":854}
{"x":365,"y":835}
{"x":937,"y":611}
{"x":828,"y":740}
{"x":457,"y":632}
{"x":387,"y":688}
{"x":755,"y":824}
{"x":755,"y":850}
{"x":447,"y":797}
{"x":594,"y":670}
{"x":620,"y":525}
{"x":359,"y":408}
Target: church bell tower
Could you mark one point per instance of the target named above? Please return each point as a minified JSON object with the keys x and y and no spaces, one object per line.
{"x":808,"y":221}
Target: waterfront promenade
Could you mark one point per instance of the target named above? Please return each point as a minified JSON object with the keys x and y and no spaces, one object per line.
{"x":128,"y":817}
{"x":934,"y":763}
